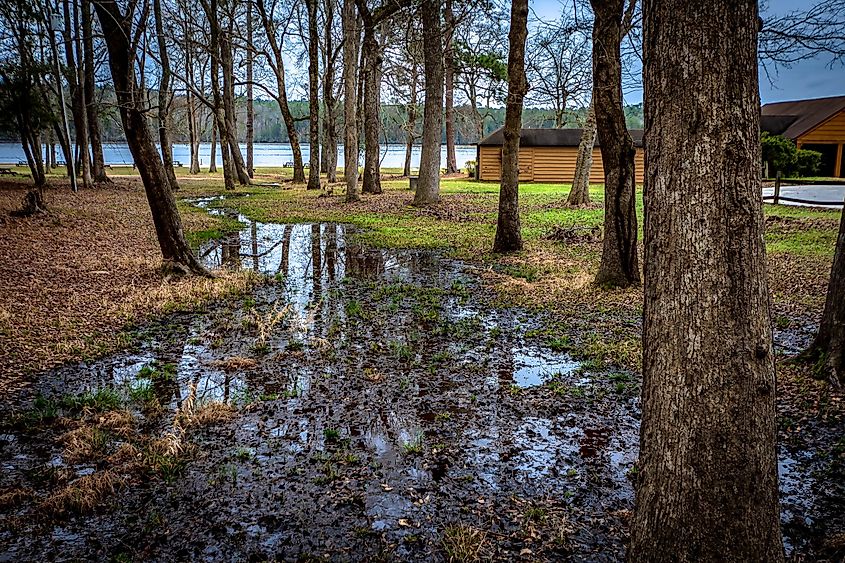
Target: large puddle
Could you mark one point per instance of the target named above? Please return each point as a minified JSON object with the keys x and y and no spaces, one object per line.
{"x":383,"y":407}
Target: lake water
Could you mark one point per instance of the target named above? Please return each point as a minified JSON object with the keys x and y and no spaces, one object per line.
{"x":265,"y":154}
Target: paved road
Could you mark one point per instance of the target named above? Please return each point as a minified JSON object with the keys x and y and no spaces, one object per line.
{"x":813,"y":193}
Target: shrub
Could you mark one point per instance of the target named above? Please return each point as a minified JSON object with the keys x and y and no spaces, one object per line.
{"x":807,"y":162}
{"x":779,"y":152}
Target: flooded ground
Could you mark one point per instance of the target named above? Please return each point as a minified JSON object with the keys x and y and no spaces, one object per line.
{"x":362,"y":405}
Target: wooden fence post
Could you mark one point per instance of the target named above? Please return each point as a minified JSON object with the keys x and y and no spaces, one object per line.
{"x":777,"y":187}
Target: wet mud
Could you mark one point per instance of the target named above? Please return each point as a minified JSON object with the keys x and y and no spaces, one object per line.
{"x":364,"y":404}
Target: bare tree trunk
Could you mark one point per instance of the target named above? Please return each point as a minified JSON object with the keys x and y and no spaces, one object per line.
{"x":282,"y":99}
{"x":580,"y":192}
{"x":212,"y":165}
{"x":619,"y":266}
{"x":77,"y":81}
{"x":371,"y":84}
{"x":329,"y":161}
{"x":313,"y":97}
{"x":190,"y":104}
{"x":827,"y":350}
{"x":707,"y":485}
{"x":164,"y":99}
{"x":508,"y":236}
{"x":227,"y":66}
{"x":98,"y":165}
{"x":449,"y":71}
{"x":351,"y":36}
{"x":250,"y":108}
{"x":411,"y":125}
{"x":117,"y":30}
{"x":428,"y":186}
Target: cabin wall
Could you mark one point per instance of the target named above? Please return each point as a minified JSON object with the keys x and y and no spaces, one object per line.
{"x":553,"y":165}
{"x":830,"y":132}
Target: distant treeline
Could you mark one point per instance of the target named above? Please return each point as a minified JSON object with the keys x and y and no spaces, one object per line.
{"x":269,"y":127}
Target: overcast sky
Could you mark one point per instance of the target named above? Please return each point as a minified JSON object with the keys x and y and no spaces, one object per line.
{"x":808,"y":79}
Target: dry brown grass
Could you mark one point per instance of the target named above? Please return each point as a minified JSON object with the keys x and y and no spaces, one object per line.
{"x":72,"y":279}
{"x":12,"y":498}
{"x":464,"y":543}
{"x":211,"y":413}
{"x":82,"y":495}
{"x":235,"y":363}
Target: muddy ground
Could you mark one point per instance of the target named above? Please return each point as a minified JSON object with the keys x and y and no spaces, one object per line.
{"x":362,"y":404}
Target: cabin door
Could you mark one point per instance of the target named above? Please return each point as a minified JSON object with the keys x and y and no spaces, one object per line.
{"x":526,"y":164}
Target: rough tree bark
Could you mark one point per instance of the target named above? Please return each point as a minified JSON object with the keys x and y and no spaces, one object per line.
{"x":449,"y":74}
{"x":76,"y":81}
{"x":164,"y":99}
{"x":227,"y":67}
{"x":190,"y":104}
{"x":580,"y":192}
{"x":508,"y":236}
{"x":98,"y":168}
{"x":117,"y":30}
{"x":351,"y":36}
{"x":250,"y":107}
{"x":411,"y":124}
{"x":428,"y":185}
{"x":619,"y":266}
{"x":828,"y":347}
{"x":707,"y":482}
{"x":329,"y":160}
{"x":371,"y":60}
{"x":212,"y":163}
{"x":313,"y":97}
{"x":278,"y":66}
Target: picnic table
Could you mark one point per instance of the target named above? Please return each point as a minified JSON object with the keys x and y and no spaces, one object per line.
{"x":7,"y":172}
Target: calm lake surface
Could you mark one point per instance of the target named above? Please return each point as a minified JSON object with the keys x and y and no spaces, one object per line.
{"x":266,"y":154}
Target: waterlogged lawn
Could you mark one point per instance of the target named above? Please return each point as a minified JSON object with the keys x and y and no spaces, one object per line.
{"x":465,"y":221}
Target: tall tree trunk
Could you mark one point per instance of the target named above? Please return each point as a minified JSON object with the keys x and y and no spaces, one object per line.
{"x":351,"y":36}
{"x":76,"y":82}
{"x":329,"y":161}
{"x":707,"y":482}
{"x":619,"y":266}
{"x":190,"y":104}
{"x":313,"y":98}
{"x":508,"y":236}
{"x":411,"y":125}
{"x":250,"y":107}
{"x":428,"y":186}
{"x":117,"y":30}
{"x":228,"y":68}
{"x":164,"y":99}
{"x":580,"y":192}
{"x":449,"y":72}
{"x":98,"y":165}
{"x":828,"y":347}
{"x":282,"y":97}
{"x":371,"y":84}
{"x":212,"y":164}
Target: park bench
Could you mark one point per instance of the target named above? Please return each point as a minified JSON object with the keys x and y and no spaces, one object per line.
{"x":23,"y":163}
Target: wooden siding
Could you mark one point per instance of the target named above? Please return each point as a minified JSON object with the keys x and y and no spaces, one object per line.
{"x":553,"y":165}
{"x":830,"y":131}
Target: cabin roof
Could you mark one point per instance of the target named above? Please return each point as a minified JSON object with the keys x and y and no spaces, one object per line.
{"x":550,"y":137}
{"x":796,"y":118}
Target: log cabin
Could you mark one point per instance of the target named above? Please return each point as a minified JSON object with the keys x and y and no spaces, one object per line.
{"x":547,"y":155}
{"x":817,"y":124}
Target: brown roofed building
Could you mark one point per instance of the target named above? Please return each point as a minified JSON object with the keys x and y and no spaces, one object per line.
{"x":817,"y":125}
{"x":547,"y":155}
